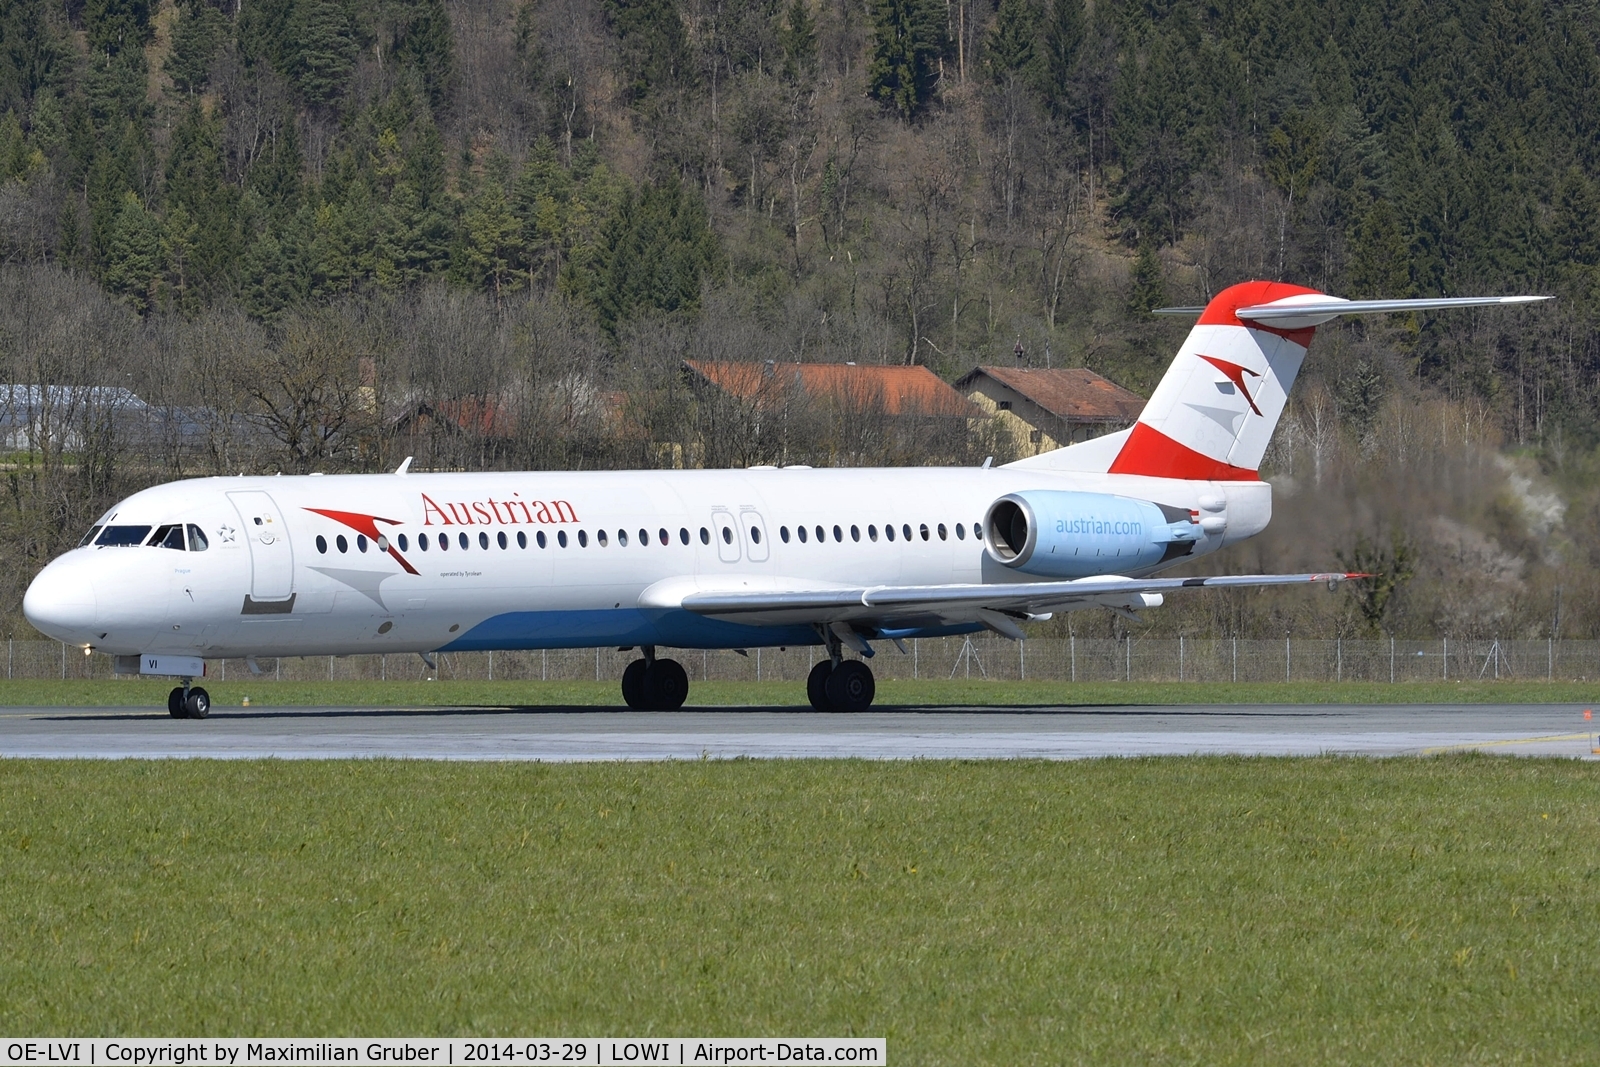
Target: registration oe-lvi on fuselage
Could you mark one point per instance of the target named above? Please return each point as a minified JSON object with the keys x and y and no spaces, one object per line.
{"x":418,"y":562}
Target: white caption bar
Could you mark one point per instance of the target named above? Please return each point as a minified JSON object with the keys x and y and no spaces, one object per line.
{"x":431,"y":1052}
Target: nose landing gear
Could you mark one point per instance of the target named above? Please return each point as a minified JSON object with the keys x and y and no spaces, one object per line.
{"x":188,"y":702}
{"x":652,"y":684}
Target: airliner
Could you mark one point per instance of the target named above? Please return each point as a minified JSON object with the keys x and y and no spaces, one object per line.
{"x":429,"y":563}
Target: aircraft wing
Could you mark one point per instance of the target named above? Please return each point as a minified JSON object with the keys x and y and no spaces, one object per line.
{"x":997,"y":606}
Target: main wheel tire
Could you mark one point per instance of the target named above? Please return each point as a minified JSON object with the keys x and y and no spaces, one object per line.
{"x":817,"y":685}
{"x":198,"y":704}
{"x":666,"y":685}
{"x":633,"y":684}
{"x":851,"y":686}
{"x":175,"y":706}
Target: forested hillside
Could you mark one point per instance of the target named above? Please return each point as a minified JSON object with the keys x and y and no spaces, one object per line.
{"x":297,"y":227}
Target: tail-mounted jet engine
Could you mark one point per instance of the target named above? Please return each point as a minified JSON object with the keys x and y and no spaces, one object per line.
{"x":1058,"y":534}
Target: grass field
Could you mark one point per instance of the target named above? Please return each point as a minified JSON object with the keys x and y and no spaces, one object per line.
{"x":1124,"y":911}
{"x":151,"y":693}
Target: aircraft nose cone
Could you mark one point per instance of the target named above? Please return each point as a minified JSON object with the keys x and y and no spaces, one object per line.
{"x":61,"y":602}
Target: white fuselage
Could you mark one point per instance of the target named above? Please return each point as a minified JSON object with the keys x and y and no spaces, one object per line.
{"x":288,"y":570}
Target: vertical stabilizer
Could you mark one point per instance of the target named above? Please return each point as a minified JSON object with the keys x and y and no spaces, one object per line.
{"x":1214,"y":411}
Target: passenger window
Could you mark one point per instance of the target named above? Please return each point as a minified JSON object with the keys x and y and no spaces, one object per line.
{"x":755,"y":534}
{"x":483,"y":539}
{"x":522,"y":539}
{"x":924,"y":531}
{"x":727,"y":536}
{"x":403,"y":543}
{"x":583,"y":538}
{"x":644,"y":538}
{"x":683,"y":534}
{"x":361,"y":542}
{"x":501,"y":539}
{"x":905,"y":530}
{"x":543,"y":542}
{"x":977,"y":531}
{"x":705,"y":536}
{"x":343,"y":545}
{"x":622,"y":538}
{"x":944,"y":535}
{"x":961,"y":532}
{"x":422,"y":542}
{"x":801,"y":530}
{"x":461,"y":538}
{"x":821,"y":536}
{"x":444,"y":542}
{"x":855,"y":533}
{"x":888,"y":531}
{"x":600,"y":538}
{"x":838,"y":534}
{"x":783,"y":532}
{"x":662,"y":536}
{"x":872,"y":532}
{"x":561,"y":538}
{"x":322,"y":545}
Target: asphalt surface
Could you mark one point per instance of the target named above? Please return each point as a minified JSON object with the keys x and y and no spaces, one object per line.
{"x":884,"y":733}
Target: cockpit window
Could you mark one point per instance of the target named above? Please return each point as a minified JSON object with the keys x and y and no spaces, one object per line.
{"x":197,"y":539}
{"x":169,"y":536}
{"x":88,"y":538}
{"x":123,"y":535}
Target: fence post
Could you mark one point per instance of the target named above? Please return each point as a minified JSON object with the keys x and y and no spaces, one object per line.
{"x":1391,"y":659}
{"x":1286,"y":657}
{"x":597,"y":664}
{"x":1338,"y":659}
{"x":63,"y":661}
{"x":1072,"y":642}
{"x":544,"y":665}
{"x":758,"y":664}
{"x":1127,"y":659}
{"x":1022,"y":661}
{"x":1549,"y":659}
{"x":491,"y":665}
{"x":330,"y":668}
{"x":1446,"y":658}
{"x":1180,"y":657}
{"x":11,"y":652}
{"x":1236,"y":657}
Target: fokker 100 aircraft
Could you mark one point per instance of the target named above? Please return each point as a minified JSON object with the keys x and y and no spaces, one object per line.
{"x":402,"y":562}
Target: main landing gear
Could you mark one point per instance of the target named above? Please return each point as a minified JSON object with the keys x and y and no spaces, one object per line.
{"x":188,"y":702}
{"x":839,"y":684}
{"x":652,"y":684}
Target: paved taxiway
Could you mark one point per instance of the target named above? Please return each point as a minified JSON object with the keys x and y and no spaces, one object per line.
{"x":885,"y":733}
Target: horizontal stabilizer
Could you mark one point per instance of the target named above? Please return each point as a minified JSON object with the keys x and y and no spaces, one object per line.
{"x":1296,"y":312}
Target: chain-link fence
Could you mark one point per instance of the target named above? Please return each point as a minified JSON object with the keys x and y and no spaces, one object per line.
{"x":980,"y":657}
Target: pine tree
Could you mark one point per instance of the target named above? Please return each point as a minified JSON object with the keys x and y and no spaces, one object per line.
{"x":133,"y":254}
{"x":1009,"y":47}
{"x":1149,"y":290}
{"x":799,"y":41}
{"x":1059,"y":41}
{"x":324,"y":50}
{"x":198,"y":35}
{"x":491,"y":242}
{"x":656,"y":253}
{"x":1378,"y":256}
{"x":909,"y":40}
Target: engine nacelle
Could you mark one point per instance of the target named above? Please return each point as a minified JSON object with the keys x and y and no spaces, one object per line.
{"x":1059,"y":534}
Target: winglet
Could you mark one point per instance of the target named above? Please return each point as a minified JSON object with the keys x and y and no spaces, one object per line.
{"x":404,"y":468}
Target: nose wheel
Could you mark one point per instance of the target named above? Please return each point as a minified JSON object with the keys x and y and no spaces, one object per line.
{"x":652,"y":684}
{"x":188,"y":702}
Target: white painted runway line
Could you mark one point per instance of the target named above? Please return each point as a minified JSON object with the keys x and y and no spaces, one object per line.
{"x":575,"y":734}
